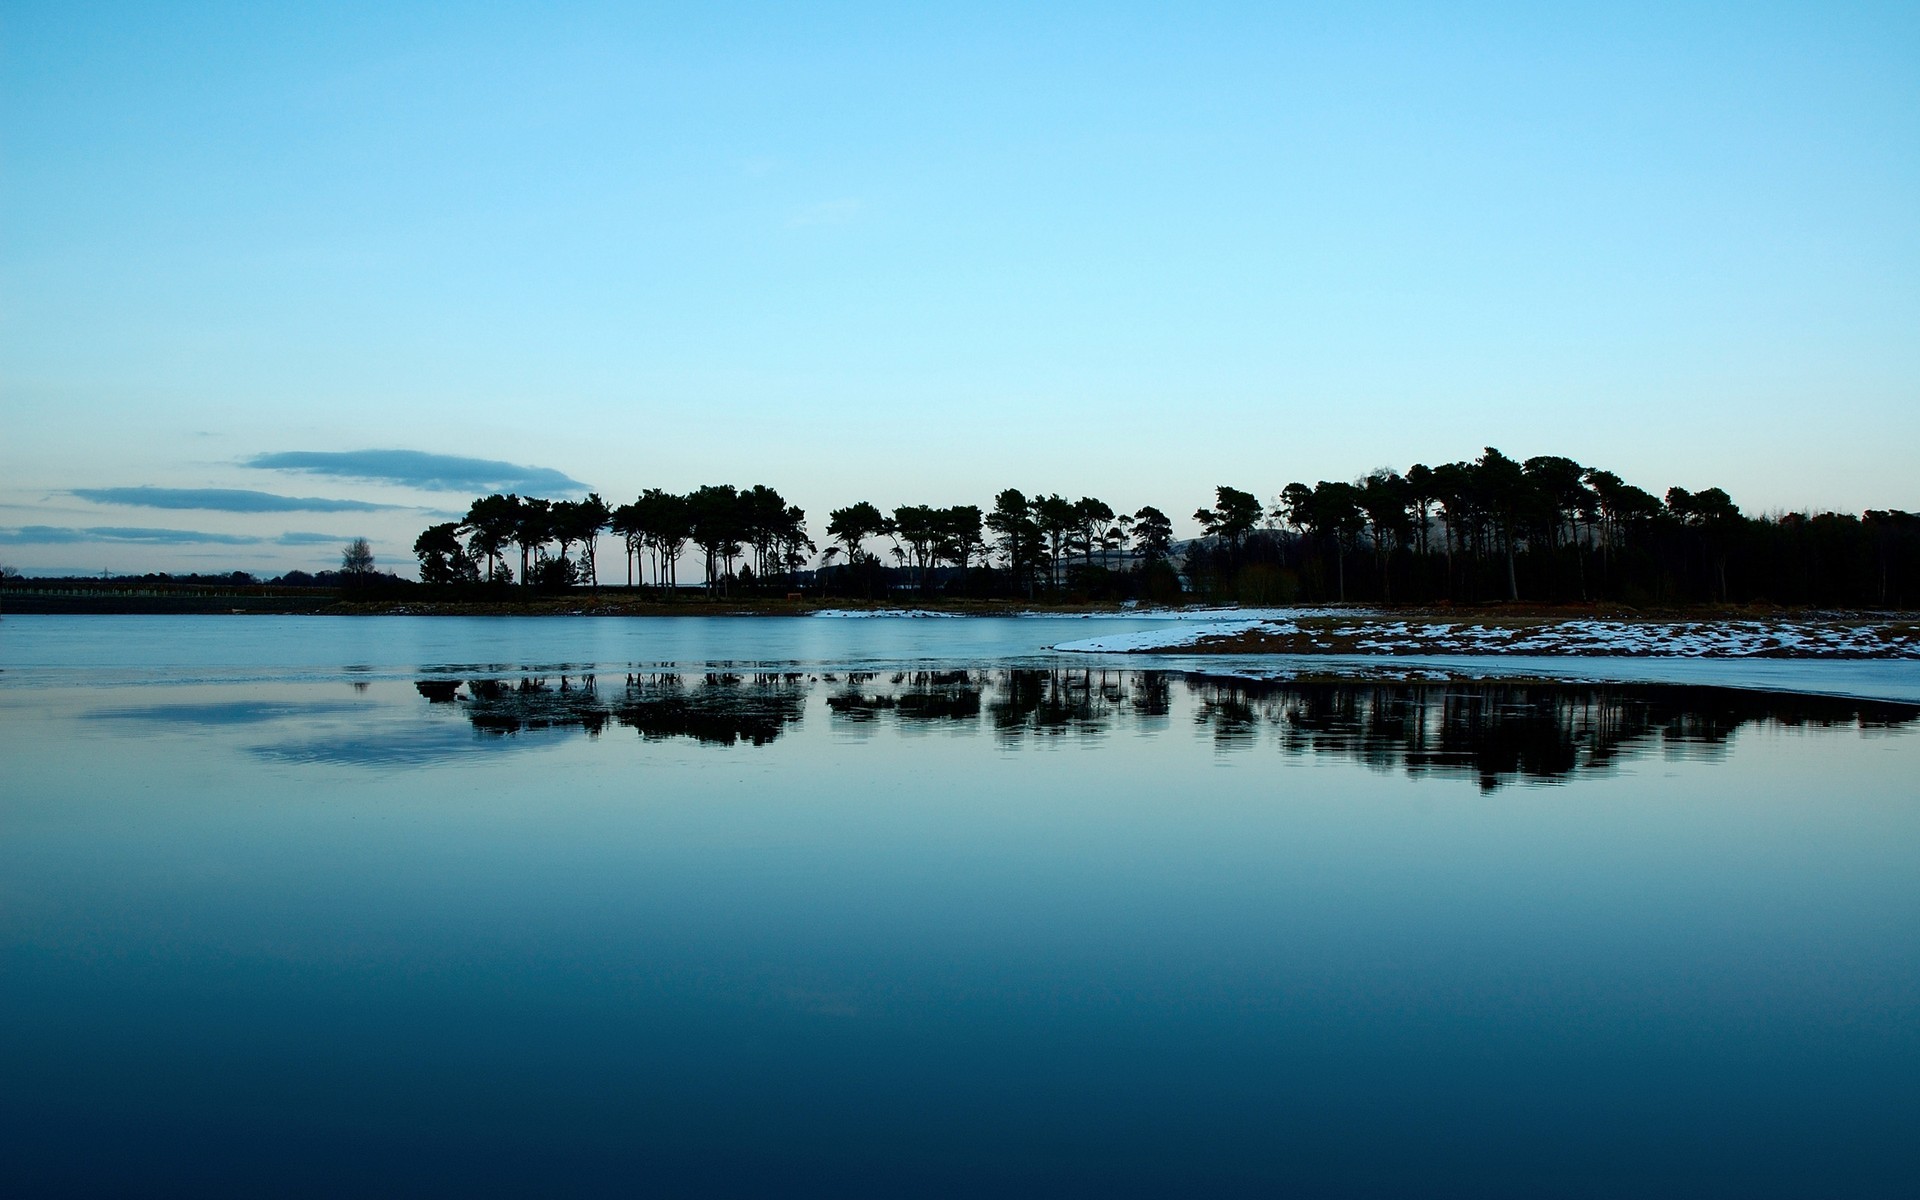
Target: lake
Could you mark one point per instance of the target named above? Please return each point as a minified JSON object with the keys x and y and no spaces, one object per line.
{"x":751,"y":906}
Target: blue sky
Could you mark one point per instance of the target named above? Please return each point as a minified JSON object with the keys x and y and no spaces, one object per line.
{"x":856,"y":251}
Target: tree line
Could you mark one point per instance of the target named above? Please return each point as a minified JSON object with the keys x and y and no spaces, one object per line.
{"x":752,"y":538}
{"x":1487,"y":528}
{"x":1543,"y":529}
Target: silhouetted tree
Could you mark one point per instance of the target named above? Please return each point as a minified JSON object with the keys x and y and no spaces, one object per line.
{"x":960,"y":537}
{"x":532,"y":527}
{"x":1714,"y":515}
{"x":1017,"y":535}
{"x":1232,"y":517}
{"x":1056,"y":519}
{"x":851,"y":527}
{"x":1382,"y":499}
{"x":666,"y":524}
{"x":442,"y":558}
{"x":1501,"y":486}
{"x":582,"y":522}
{"x":1093,"y":520}
{"x":1337,"y":517}
{"x":490,"y":522}
{"x":918,"y":525}
{"x":357,"y":558}
{"x":1152,"y":533}
{"x":717,"y":521}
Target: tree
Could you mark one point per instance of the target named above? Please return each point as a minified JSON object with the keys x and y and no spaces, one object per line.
{"x":763,"y":520}
{"x":1017,"y":535}
{"x":1506,"y":495}
{"x":1459,"y":514}
{"x":1232,"y":517}
{"x":793,"y":547}
{"x":1892,"y":532}
{"x":665,"y":523}
{"x":1152,"y":533}
{"x":1382,"y":498}
{"x":1421,"y":492}
{"x":716,"y":520}
{"x":1334,"y":512}
{"x":356,"y":561}
{"x":1093,"y":521}
{"x":1056,"y":519}
{"x":1295,"y":507}
{"x":563,"y":525}
{"x":442,"y":558}
{"x":625,"y":521}
{"x":851,"y":527}
{"x":585,"y":520}
{"x":1560,"y":497}
{"x":532,"y":528}
{"x":490,"y":523}
{"x":919,"y":526}
{"x":960,"y":538}
{"x":1716,"y":516}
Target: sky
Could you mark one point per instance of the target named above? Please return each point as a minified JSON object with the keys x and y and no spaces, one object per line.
{"x":275,"y":276}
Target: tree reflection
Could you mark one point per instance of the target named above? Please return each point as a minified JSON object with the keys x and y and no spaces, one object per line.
{"x":1498,"y":732}
{"x":933,"y":697}
{"x":1491,"y":732}
{"x":720,"y":709}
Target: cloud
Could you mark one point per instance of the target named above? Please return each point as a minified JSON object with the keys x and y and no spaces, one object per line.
{"x":55,"y":535}
{"x":298,"y":538}
{"x":830,"y":212}
{"x":234,"y":500}
{"x":416,"y":468}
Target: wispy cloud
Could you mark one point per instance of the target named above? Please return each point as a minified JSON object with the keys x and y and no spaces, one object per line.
{"x":66,"y":535}
{"x":829,"y":212}
{"x":416,"y":468}
{"x":59,"y":535}
{"x":234,"y":500}
{"x":300,"y":538}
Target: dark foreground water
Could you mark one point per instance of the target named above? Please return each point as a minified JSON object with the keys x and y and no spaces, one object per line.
{"x":494,"y":927}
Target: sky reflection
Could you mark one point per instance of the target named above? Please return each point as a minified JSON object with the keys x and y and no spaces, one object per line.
{"x":956,"y":930}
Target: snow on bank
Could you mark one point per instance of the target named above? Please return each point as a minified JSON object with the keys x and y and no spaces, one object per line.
{"x":863,"y":613}
{"x":1240,"y":615}
{"x":1237,"y":616}
{"x":1146,"y":641}
{"x":1680,"y":639}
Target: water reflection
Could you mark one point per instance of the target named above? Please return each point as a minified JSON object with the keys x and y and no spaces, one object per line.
{"x":717,"y":708}
{"x":951,"y":697}
{"x":226,"y":712}
{"x":1492,"y":732}
{"x":1499,"y":732}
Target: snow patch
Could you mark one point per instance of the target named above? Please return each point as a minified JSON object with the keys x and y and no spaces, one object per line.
{"x":1167,"y":639}
{"x":866,"y":613}
{"x":1588,"y":638}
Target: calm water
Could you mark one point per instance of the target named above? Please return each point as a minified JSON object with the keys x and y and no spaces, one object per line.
{"x":308,"y":907}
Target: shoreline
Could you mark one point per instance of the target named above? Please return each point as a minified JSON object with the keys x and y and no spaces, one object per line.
{"x":1490,"y":631}
{"x":1388,"y":636}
